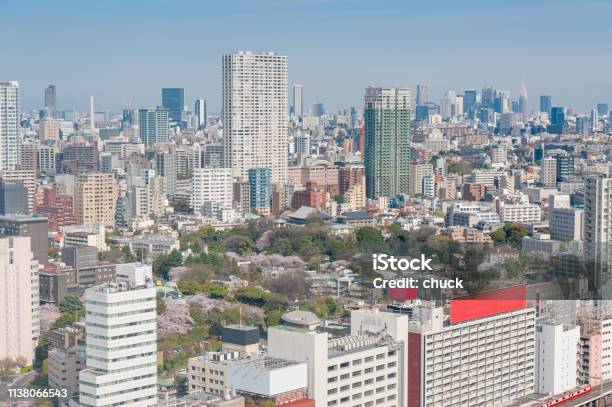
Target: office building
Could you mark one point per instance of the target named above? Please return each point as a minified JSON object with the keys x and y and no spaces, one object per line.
{"x":260,"y":190}
{"x":598,"y":228}
{"x":121,"y":346}
{"x":255,"y":83}
{"x":387,"y":141}
{"x":153,"y":126}
{"x":548,"y":172}
{"x":298,"y":101}
{"x":602,"y":109}
{"x":211,"y":185}
{"x":545,"y":104}
{"x":366,"y":368}
{"x":19,"y":291}
{"x":79,"y":157}
{"x":34,"y":227}
{"x":10,"y":109}
{"x":469,"y":102}
{"x":95,"y":197}
{"x":200,"y":114}
{"x":13,"y":198}
{"x":173,"y":100}
{"x":557,"y":120}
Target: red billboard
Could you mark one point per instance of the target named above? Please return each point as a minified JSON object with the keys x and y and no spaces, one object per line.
{"x":402,"y":294}
{"x":487,"y":304}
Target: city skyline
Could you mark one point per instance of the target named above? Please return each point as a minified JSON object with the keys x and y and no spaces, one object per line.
{"x":534,"y":40}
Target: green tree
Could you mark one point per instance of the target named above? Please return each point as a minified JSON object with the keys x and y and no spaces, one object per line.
{"x":164,"y":263}
{"x":161,"y":305}
{"x":128,"y":256}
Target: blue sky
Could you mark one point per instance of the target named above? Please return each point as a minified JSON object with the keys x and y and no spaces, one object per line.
{"x":115,"y":49}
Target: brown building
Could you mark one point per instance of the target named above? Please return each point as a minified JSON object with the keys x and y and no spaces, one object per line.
{"x":79,"y":157}
{"x":350,"y":175}
{"x":311,"y":196}
{"x":473,"y":192}
{"x":57,"y":208}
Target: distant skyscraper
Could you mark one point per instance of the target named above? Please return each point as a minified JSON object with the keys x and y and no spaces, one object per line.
{"x":200,"y":113}
{"x":557,"y":120}
{"x":502,"y":101}
{"x":92,"y":114}
{"x":469,"y":102}
{"x":602,"y":109}
{"x":9,"y":124}
{"x":488,"y":97}
{"x":298,"y":101}
{"x":422,"y":95}
{"x":50,"y":100}
{"x":153,"y":126}
{"x":317,"y":110}
{"x":523,"y":107}
{"x":253,"y":84}
{"x":173,"y":99}
{"x":545,"y":104}
{"x":594,"y":120}
{"x":387,"y":141}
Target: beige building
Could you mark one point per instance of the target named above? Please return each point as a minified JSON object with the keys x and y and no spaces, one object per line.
{"x":95,"y":197}
{"x":208,"y":372}
{"x":49,"y":129}
{"x":18,"y":277}
{"x":417,"y":172}
{"x":64,"y":368}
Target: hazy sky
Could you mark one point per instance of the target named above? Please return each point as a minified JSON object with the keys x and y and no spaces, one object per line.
{"x":117,"y":49}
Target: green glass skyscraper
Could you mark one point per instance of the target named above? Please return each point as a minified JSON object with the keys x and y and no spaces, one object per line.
{"x":387,"y":141}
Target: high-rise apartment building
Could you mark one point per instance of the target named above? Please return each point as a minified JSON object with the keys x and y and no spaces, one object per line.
{"x":153,"y":126}
{"x":255,"y":113}
{"x":298,"y":101}
{"x":387,"y":141}
{"x":95,"y":197}
{"x":598,"y":228}
{"x":50,"y":100}
{"x":121,"y":346}
{"x":211,"y":187}
{"x":260,"y":190}
{"x":19,"y":291}
{"x":565,"y":222}
{"x":9,"y":124}
{"x":418,"y":171}
{"x":556,"y":358}
{"x":200,"y":113}
{"x":557,"y":120}
{"x":165,"y":165}
{"x":447,"y":361}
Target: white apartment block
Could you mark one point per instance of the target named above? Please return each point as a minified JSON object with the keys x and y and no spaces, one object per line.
{"x":598,"y":225}
{"x":556,"y":357}
{"x":19,"y":305}
{"x":121,"y":346}
{"x":548,"y":172}
{"x":9,"y":124}
{"x":520,"y":213}
{"x":255,"y":113}
{"x":485,"y":361}
{"x":211,"y":185}
{"x":356,"y":370}
{"x":208,"y":373}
